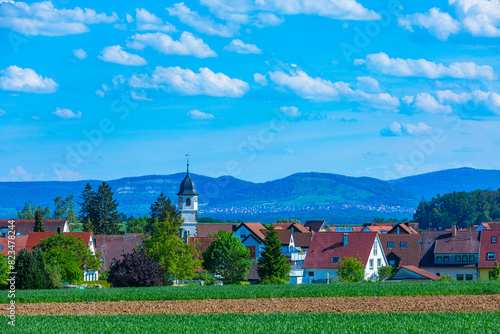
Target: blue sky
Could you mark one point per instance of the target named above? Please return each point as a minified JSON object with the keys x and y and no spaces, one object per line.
{"x":255,"y":89}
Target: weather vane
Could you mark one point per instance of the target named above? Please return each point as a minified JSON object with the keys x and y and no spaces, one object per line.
{"x":187,"y":157}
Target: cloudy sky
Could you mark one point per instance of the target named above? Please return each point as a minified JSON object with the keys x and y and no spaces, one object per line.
{"x":257,"y":89}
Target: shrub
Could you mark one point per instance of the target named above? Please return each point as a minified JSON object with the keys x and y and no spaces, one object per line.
{"x":495,"y":275}
{"x":31,"y":270}
{"x":445,"y":277}
{"x":385,"y":272}
{"x":136,"y":270}
{"x":207,"y":278}
{"x":104,"y":276}
{"x":351,"y":269}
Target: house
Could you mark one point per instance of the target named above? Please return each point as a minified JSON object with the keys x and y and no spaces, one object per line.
{"x":201,"y":244}
{"x":401,"y":249}
{"x":26,"y":226}
{"x":317,"y":226}
{"x":488,"y":226}
{"x":112,"y":247}
{"x":329,"y":248}
{"x":489,"y":252}
{"x":377,"y":229}
{"x":205,"y":230}
{"x":297,"y":255}
{"x":454,"y":253}
{"x":295,"y":227}
{"x":413,"y":273}
{"x":18,"y":244}
{"x":402,"y":229}
{"x":34,"y":239}
{"x":413,"y":225}
{"x":252,"y":235}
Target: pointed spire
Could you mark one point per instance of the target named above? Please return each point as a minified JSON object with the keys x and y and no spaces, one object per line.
{"x":187,"y":158}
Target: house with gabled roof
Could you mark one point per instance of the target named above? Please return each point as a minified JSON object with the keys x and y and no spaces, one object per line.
{"x":489,"y":253}
{"x":454,"y":252}
{"x":402,"y":228}
{"x":413,"y":273}
{"x":317,"y":226}
{"x":112,"y":247}
{"x":329,"y":248}
{"x":401,"y":249}
{"x":377,"y":229}
{"x":205,"y":230}
{"x":488,"y":226}
{"x":26,"y":226}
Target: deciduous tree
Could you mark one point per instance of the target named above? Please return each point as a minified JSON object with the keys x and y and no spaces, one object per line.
{"x":227,"y":258}
{"x":351,"y":269}
{"x":495,"y":275}
{"x":135,"y":270}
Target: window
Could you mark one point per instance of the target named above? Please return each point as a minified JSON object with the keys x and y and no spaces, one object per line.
{"x":392,"y":263}
{"x":458,"y":258}
{"x":439,"y":259}
{"x":404,"y":245}
{"x":465,"y":258}
{"x":335,"y":259}
{"x":243,"y":234}
{"x":311,"y":273}
{"x":446,"y":258}
{"x":390,"y":245}
{"x":493,"y":240}
{"x":460,"y":277}
{"x":188,"y":202}
{"x":1,"y":246}
{"x":375,"y":249}
{"x":468,"y":277}
{"x":102,"y":259}
{"x":18,"y":233}
{"x":490,"y":256}
{"x":371,"y":264}
{"x":379,"y":262}
{"x":472,"y":258}
{"x":252,"y":251}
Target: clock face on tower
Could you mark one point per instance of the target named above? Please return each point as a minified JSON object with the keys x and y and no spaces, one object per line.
{"x":196,"y":199}
{"x":180,"y":199}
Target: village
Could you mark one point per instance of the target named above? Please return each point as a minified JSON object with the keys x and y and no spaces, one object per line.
{"x":314,"y":250}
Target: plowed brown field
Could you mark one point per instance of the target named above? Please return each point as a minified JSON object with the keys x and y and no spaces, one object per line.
{"x":478,"y":303}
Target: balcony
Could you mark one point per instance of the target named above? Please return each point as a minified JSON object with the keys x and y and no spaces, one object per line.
{"x":296,"y":273}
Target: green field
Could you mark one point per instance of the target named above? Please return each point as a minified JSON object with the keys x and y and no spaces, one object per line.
{"x":259,"y":291}
{"x":488,"y":322}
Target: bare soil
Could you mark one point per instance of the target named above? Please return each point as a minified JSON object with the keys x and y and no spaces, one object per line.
{"x":386,"y":304}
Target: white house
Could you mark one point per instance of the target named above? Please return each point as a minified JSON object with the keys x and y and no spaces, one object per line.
{"x":327,"y":249}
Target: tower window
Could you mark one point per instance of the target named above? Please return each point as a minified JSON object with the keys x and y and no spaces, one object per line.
{"x":188,"y":202}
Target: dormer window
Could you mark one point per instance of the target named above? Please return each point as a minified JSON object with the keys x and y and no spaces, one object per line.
{"x":494,"y":240}
{"x":335,"y":259}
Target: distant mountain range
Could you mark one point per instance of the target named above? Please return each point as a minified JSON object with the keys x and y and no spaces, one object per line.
{"x":313,"y":195}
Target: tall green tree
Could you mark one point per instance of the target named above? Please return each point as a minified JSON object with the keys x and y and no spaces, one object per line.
{"x":88,"y":205}
{"x":31,"y":270}
{"x":273,"y":265}
{"x":227,"y":258}
{"x":159,"y":210}
{"x":60,"y":208}
{"x":88,"y":225}
{"x":39,"y":227}
{"x":107,"y":222}
{"x":72,"y":255}
{"x":29,"y":210}
{"x":495,"y":275}
{"x":70,"y":215}
{"x":178,"y":259}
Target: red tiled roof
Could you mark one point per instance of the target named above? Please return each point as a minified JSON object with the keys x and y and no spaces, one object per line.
{"x":301,"y":228}
{"x":402,"y":229}
{"x":357,"y":228}
{"x":200,"y":243}
{"x":204,"y":230}
{"x":114,"y":246}
{"x":326,"y":245}
{"x":255,"y":228}
{"x":429,"y":239}
{"x":26,"y":226}
{"x":421,"y":272}
{"x":378,"y":229}
{"x":491,"y":225}
{"x":281,"y":226}
{"x":464,"y":242}
{"x":409,"y":255}
{"x":488,"y":247}
{"x":19,"y":243}
{"x":302,"y":240}
{"x":34,"y":238}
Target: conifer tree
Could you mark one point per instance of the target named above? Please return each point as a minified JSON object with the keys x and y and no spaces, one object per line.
{"x":39,"y":227}
{"x":88,"y":205}
{"x":107,"y":210}
{"x":31,"y":270}
{"x":159,"y":210}
{"x":273,"y":265}
{"x":88,"y":226}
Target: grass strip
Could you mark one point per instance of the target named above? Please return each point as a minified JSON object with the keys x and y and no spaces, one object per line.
{"x":487,"y":322}
{"x":257,"y":291}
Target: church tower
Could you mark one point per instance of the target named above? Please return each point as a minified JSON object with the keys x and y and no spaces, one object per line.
{"x":187,"y":204}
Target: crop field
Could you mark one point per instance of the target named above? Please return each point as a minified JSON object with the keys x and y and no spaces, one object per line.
{"x":258,"y":291}
{"x":487,"y":322}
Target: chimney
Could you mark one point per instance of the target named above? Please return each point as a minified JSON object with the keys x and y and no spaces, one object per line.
{"x":345,"y":239}
{"x":454,"y":231}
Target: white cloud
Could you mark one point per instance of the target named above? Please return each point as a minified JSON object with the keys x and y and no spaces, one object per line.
{"x":380,"y":62}
{"x":291,"y":111}
{"x":199,"y":115}
{"x":67,"y":113}
{"x":260,"y":79}
{"x":323,"y":90}
{"x":129,"y":18}
{"x":406,"y":129}
{"x":238,"y":11}
{"x":202,"y":24}
{"x":116,"y":54}
{"x":368,"y":84}
{"x":238,"y":46}
{"x":25,"y":80}
{"x":475,"y":101}
{"x":187,"y":82}
{"x":149,"y":21}
{"x":427,"y":103}
{"x":42,"y":18}
{"x":187,"y":45}
{"x":267,"y":19}
{"x":80,"y":54}
{"x":100,"y":93}
{"x":2,"y":112}
{"x":141,"y":96}
{"x":19,"y":174}
{"x":439,"y":24}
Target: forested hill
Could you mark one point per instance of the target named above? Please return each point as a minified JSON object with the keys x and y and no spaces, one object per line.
{"x":135,"y":194}
{"x":447,"y":181}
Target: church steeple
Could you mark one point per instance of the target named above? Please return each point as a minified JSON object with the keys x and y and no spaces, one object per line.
{"x":188,"y":203}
